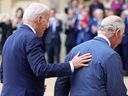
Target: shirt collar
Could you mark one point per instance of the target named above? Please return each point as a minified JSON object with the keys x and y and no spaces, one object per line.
{"x":104,"y":37}
{"x":31,"y":28}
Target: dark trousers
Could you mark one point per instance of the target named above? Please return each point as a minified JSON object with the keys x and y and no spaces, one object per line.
{"x":53,"y":52}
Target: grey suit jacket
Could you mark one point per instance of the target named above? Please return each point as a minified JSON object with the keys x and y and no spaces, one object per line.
{"x":103,"y":77}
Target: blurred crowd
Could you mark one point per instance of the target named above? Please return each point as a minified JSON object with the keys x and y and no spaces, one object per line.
{"x":81,"y":25}
{"x":8,"y":25}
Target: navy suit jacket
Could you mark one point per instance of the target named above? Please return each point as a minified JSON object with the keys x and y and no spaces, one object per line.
{"x":23,"y":68}
{"x":125,"y":38}
{"x":103,"y":76}
{"x":50,"y":35}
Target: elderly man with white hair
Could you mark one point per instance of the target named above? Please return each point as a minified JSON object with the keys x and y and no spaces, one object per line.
{"x":24,"y":68}
{"x":103,"y":77}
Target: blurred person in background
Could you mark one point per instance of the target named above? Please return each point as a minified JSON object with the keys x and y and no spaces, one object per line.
{"x":82,"y":27}
{"x":6,"y":28}
{"x":107,"y":4}
{"x":17,"y":20}
{"x":98,"y":15}
{"x":2,"y":16}
{"x":117,"y":6}
{"x":109,"y":12}
{"x":70,"y":30}
{"x":52,"y":38}
{"x":81,"y":8}
{"x":75,"y":6}
{"x":119,"y":49}
{"x":67,"y":6}
{"x":95,"y":4}
{"x":24,"y":68}
{"x":123,"y":47}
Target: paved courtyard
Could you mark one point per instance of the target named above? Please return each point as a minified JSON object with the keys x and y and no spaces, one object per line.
{"x":50,"y":86}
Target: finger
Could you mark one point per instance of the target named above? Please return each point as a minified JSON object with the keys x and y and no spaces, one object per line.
{"x":86,"y":65}
{"x":85,"y":61}
{"x":77,"y":54}
{"x":86,"y":57}
{"x":83,"y":65}
{"x":87,"y":54}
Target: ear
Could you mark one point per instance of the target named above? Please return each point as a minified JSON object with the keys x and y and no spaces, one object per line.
{"x":39,"y":19}
{"x":118,"y":32}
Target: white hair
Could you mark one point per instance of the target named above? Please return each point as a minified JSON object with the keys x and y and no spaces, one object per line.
{"x":34,"y":10}
{"x":112,"y":23}
{"x":98,"y":11}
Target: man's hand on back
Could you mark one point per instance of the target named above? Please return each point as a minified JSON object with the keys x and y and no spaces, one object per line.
{"x":80,"y":61}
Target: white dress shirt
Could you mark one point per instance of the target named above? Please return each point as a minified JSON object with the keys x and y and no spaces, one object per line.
{"x":70,"y":62}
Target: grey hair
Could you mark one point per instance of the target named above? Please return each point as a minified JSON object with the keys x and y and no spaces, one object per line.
{"x":34,"y":10}
{"x":111,"y":27}
{"x":98,"y":11}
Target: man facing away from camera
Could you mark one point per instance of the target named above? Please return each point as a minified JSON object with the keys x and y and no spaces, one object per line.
{"x":24,"y":68}
{"x":104,"y":76}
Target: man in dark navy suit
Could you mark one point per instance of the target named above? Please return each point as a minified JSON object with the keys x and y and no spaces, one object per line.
{"x":52,"y":39}
{"x":103,"y":77}
{"x":70,"y":30}
{"x":125,"y":47}
{"x":24,"y":68}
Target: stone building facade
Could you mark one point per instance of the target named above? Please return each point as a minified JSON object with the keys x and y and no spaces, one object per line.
{"x":10,"y":6}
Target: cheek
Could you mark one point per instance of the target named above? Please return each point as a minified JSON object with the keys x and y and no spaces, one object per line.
{"x":47,"y":25}
{"x":120,"y":38}
{"x":43,"y":24}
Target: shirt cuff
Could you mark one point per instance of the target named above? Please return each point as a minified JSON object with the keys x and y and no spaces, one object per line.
{"x":71,"y":65}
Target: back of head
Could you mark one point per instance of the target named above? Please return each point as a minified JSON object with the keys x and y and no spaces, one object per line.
{"x":113,"y":28}
{"x":37,"y":16}
{"x":34,"y":10}
{"x":111,"y":23}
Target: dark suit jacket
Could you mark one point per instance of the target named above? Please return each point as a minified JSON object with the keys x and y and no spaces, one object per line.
{"x":70,"y":36}
{"x":125,"y":38}
{"x":6,"y":32}
{"x":24,"y":68}
{"x":103,"y":76}
{"x":54,"y":36}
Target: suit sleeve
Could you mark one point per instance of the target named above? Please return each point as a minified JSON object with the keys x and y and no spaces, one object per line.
{"x":114,"y":77}
{"x":38,"y":64}
{"x":62,"y":85}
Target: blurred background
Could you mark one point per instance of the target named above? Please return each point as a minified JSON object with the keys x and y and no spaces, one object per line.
{"x":71,"y":23}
